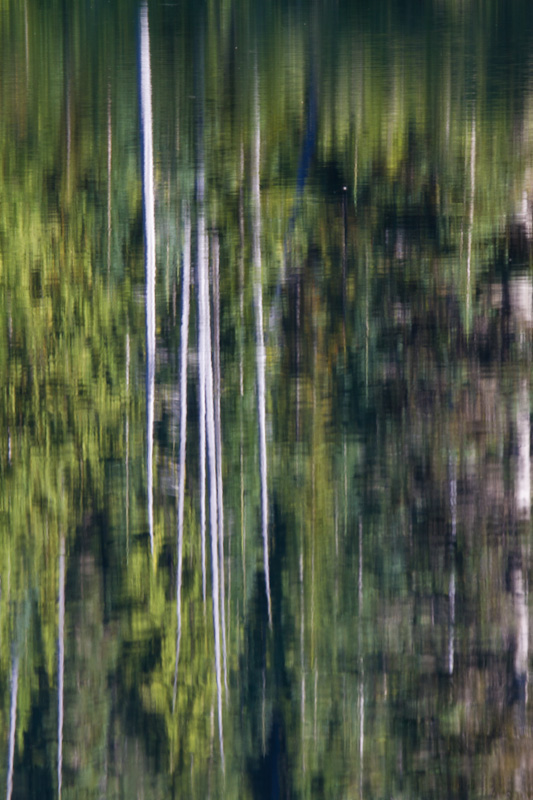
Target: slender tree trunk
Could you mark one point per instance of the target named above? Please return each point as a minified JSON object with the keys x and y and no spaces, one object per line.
{"x":12,"y":724}
{"x":241,"y":375}
{"x":202,"y":256}
{"x":218,"y":436}
{"x":260,"y":346}
{"x":523,"y":461}
{"x":206,"y":390}
{"x":149,"y":240}
{"x":361,"y":665}
{"x":109,"y":171}
{"x":184,"y":347}
{"x":127,"y":423}
{"x":61,"y":666}
{"x":471,"y":216}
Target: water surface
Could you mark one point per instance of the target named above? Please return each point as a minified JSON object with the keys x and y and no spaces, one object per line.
{"x":266,"y":330}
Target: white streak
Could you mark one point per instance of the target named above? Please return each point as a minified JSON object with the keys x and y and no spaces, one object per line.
{"x":206,"y":389}
{"x":184,"y":341}
{"x":260,"y":348}
{"x":149,"y":239}
{"x":201,"y":256}
{"x":60,"y":666}
{"x":523,"y":462}
{"x":218,"y":436}
{"x":12,"y":724}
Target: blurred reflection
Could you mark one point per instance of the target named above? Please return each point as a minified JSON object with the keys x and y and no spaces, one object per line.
{"x":318,"y":404}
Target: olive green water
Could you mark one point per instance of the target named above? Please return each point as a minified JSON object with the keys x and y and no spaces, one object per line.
{"x":265,"y":499}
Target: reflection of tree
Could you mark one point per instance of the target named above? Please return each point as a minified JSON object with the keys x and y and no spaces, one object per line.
{"x":145,"y":99}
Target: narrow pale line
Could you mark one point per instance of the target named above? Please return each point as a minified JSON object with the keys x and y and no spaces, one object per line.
{"x":26,"y":43}
{"x":184,"y":342}
{"x":213,"y":497}
{"x":12,"y":725}
{"x":61,"y":666}
{"x":471,"y":213}
{"x":149,"y":237}
{"x":451,"y":587}
{"x":109,"y":166}
{"x":451,"y":626}
{"x":208,"y":424}
{"x":302,"y":655}
{"x":361,"y":663}
{"x":260,"y":347}
{"x":523,"y":461}
{"x":241,"y":370}
{"x":127,"y":446}
{"x":218,"y":435}
{"x":201,"y":256}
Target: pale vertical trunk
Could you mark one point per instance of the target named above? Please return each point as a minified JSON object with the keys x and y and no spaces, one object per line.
{"x":26,"y":44}
{"x":521,"y":624}
{"x":361,"y":663}
{"x":344,"y":264}
{"x":68,"y":114}
{"x":298,"y":354}
{"x":202,"y":256}
{"x":523,"y":462}
{"x":302,"y":658}
{"x":218,"y":437}
{"x":149,"y":241}
{"x":260,"y":345}
{"x":206,"y":389}
{"x":127,"y":423}
{"x":184,"y":346}
{"x":263,"y":713}
{"x":451,"y":586}
{"x":213,"y":507}
{"x":241,"y":373}
{"x":367,"y":324}
{"x":521,"y":304}
{"x":313,"y":501}
{"x":12,"y":724}
{"x":471,"y":214}
{"x":109,"y":165}
{"x":315,"y":717}
{"x":451,"y":621}
{"x":61,"y":666}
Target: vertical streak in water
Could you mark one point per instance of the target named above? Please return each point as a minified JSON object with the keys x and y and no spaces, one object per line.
{"x":361,"y":663}
{"x":367,"y":323}
{"x":260,"y":343}
{"x":184,"y":345}
{"x":26,"y":44}
{"x":68,"y":103}
{"x":218,"y":436}
{"x":241,"y":371}
{"x":451,"y":587}
{"x":60,"y":666}
{"x":471,"y":213}
{"x":344,"y":264}
{"x":201,"y":256}
{"x":109,"y":164}
{"x":302,"y":656}
{"x":298,"y":353}
{"x":213,"y":497}
{"x":523,"y":462}
{"x":127,"y":423}
{"x":145,"y":91}
{"x":12,"y":724}
{"x":208,"y":423}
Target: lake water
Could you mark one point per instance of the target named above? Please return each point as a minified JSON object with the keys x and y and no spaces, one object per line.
{"x":266,"y":346}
